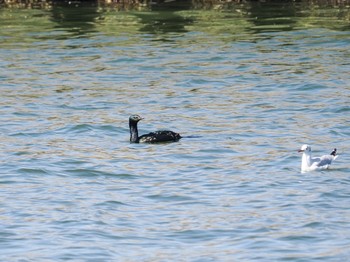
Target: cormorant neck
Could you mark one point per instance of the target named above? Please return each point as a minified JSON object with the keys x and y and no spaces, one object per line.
{"x":134,"y":134}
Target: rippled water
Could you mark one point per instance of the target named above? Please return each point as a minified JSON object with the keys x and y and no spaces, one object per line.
{"x":246,"y":88}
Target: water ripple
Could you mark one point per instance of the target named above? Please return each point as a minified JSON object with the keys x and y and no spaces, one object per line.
{"x":245,"y":87}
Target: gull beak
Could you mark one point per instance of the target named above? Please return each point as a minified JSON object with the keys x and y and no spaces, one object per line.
{"x":300,"y":151}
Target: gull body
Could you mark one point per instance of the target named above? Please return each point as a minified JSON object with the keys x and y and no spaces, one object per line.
{"x":309,"y":163}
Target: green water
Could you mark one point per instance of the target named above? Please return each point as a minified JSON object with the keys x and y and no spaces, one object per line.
{"x":246,"y":85}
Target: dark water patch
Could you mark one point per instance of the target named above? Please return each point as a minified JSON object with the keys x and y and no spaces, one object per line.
{"x":111,"y":203}
{"x":30,"y":134}
{"x":296,"y":238}
{"x":86,"y":128}
{"x":86,"y":172}
{"x":191,"y":136}
{"x":31,"y":171}
{"x":312,"y":87}
{"x":195,"y":236}
{"x":335,"y":195}
{"x":72,"y":162}
{"x":84,"y":107}
{"x":169,"y":198}
{"x":26,"y":114}
{"x":342,"y":109}
{"x":6,"y":236}
{"x":72,"y":253}
{"x":314,"y":225}
{"x":22,"y":153}
{"x":80,"y":128}
{"x":8,"y":182}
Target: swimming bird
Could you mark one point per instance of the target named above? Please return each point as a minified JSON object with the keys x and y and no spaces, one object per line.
{"x":309,"y":163}
{"x":153,"y":137}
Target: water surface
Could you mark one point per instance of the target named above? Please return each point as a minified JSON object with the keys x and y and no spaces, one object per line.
{"x":249,"y":84}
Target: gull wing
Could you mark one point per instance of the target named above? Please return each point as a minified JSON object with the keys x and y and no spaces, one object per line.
{"x":325,"y":160}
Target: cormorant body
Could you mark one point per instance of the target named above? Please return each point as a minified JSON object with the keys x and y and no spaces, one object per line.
{"x":153,"y":137}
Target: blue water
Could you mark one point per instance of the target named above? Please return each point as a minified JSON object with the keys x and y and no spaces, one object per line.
{"x":246,"y":89}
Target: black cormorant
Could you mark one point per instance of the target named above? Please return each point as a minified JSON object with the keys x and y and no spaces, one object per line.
{"x":153,"y":137}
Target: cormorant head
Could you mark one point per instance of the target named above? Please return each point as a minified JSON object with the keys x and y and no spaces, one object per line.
{"x":135,"y":118}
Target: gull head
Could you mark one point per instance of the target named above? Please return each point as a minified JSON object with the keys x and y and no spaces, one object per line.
{"x":305,"y":149}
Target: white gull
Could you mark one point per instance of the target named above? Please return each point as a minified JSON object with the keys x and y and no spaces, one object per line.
{"x":309,"y":163}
